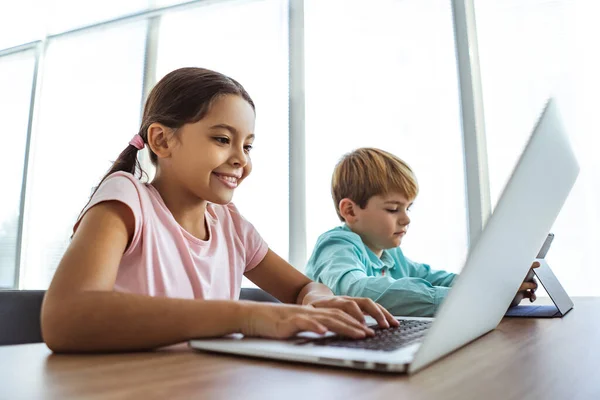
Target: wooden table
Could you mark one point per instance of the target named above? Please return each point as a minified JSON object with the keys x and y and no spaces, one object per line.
{"x":521,"y":359}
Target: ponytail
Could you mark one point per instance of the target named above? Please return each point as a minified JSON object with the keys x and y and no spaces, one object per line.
{"x":126,"y":162}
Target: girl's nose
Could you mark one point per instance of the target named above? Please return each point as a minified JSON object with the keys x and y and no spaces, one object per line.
{"x":238,"y":159}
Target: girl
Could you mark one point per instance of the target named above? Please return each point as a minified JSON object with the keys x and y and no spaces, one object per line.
{"x":156,"y":264}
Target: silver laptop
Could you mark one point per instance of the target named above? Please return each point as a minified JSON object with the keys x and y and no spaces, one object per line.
{"x":499,"y":260}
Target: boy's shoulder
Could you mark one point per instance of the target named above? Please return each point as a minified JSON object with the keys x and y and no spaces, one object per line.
{"x":337,"y":242}
{"x":340,"y":236}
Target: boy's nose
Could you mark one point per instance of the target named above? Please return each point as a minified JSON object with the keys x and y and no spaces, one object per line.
{"x":405,"y":220}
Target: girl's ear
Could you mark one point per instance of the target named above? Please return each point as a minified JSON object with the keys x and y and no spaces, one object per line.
{"x":158,"y":140}
{"x":348,"y":210}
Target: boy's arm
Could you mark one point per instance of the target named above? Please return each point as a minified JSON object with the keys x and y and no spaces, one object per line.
{"x":424,"y":271}
{"x":405,"y":296}
{"x":337,"y":263}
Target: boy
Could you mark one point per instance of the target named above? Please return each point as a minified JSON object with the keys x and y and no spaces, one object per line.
{"x":372,"y":191}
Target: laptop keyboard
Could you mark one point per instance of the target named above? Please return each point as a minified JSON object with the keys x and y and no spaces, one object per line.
{"x":385,"y":339}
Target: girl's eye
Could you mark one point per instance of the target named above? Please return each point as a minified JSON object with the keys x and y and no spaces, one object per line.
{"x":222,"y":140}
{"x":247,"y":148}
{"x":392,"y":211}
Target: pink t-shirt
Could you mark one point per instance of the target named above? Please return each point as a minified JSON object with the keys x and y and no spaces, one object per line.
{"x":164,"y":259}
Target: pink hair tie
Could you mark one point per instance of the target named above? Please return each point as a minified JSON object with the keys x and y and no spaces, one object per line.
{"x":137,"y":142}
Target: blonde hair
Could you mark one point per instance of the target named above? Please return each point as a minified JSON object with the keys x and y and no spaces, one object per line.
{"x":368,"y":172}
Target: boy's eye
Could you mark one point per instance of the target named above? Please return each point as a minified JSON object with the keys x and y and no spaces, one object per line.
{"x":247,"y":148}
{"x":222,"y":140}
{"x":392,"y":211}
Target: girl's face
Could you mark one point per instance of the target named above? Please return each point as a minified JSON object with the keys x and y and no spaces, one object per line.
{"x":210,"y":158}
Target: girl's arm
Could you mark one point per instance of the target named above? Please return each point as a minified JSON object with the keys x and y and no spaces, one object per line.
{"x":276,"y":276}
{"x":82,"y":313}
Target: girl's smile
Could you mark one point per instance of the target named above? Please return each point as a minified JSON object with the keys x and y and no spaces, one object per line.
{"x":229,"y":180}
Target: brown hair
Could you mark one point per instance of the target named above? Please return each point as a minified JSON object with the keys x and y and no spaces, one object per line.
{"x":368,"y":172}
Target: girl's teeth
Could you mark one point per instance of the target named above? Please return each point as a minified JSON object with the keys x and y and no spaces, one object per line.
{"x":230,"y":179}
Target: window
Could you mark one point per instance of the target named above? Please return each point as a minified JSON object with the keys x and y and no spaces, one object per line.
{"x":521,"y":46}
{"x":247,"y":41}
{"x":530,"y":50}
{"x":21,"y":22}
{"x":386,"y":77}
{"x":64,"y":15}
{"x":88,"y":108}
{"x":16,"y":78}
{"x":379,"y":74}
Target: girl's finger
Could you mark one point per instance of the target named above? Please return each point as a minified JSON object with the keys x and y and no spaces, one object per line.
{"x":298,"y":323}
{"x":352,"y":308}
{"x":371,"y":308}
{"x":341,"y":327}
{"x":388,"y":315}
{"x":341,"y":316}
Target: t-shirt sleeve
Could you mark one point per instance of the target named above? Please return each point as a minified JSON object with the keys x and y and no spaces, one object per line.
{"x":122,"y":188}
{"x":255,"y":247}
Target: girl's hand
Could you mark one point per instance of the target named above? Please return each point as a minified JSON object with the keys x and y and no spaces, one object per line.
{"x":280,"y":321}
{"x":356,"y":307}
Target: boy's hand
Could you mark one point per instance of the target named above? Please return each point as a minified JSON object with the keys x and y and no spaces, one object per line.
{"x":356,"y":307}
{"x":528,"y":287}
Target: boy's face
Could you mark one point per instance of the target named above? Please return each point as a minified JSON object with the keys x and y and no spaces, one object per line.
{"x":383,"y":222}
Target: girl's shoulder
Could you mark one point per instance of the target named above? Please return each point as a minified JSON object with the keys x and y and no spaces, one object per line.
{"x":126,"y":188}
{"x":122,"y":178}
{"x":222,"y":212}
{"x":125,"y":182}
{"x":121,"y":187}
{"x":230,"y":220}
